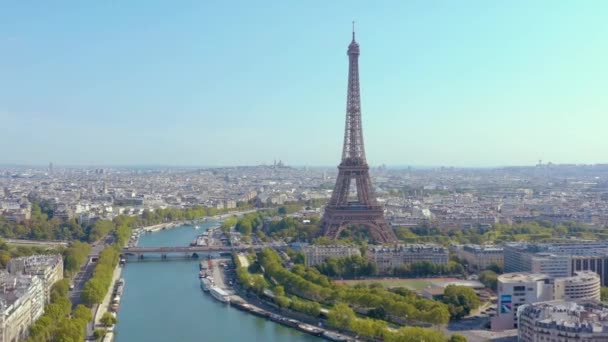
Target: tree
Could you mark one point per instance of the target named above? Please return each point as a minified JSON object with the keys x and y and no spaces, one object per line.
{"x":377,"y":313}
{"x":70,"y":331}
{"x":341,"y":316}
{"x":604,"y":294}
{"x":83,"y":313}
{"x":108,"y":319}
{"x":461,"y":300}
{"x":99,"y":334}
{"x":439,"y":315}
{"x":60,"y":289}
{"x":93,"y":291}
{"x":100,"y":229}
{"x":457,"y":338}
{"x":494,"y":268}
{"x":489,"y":279}
{"x":279,"y":290}
{"x":414,"y":334}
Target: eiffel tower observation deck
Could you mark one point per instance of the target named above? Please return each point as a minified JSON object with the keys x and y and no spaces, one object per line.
{"x":353,"y":201}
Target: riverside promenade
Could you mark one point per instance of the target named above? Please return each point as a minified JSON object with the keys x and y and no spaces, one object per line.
{"x":174,"y":224}
{"x":104,"y":307}
{"x":259,"y":308}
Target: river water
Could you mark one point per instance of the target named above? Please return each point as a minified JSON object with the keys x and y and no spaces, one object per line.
{"x":163,"y":302}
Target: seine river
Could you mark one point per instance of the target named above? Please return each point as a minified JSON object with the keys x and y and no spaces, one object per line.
{"x":163,"y":302}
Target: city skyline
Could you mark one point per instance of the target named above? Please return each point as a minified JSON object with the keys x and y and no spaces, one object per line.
{"x":443,"y":85}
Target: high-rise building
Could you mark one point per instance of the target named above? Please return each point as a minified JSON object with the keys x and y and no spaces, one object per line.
{"x":353,"y":201}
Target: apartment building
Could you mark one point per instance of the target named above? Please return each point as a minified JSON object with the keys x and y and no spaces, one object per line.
{"x":563,"y":321}
{"x":315,"y":255}
{"x":49,"y":268}
{"x":21,"y":304}
{"x":388,"y":258}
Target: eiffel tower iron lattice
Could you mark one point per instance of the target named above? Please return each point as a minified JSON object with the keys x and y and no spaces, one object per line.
{"x":363,"y":209}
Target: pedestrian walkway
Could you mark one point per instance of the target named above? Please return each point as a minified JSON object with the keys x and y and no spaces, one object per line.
{"x":105,"y":304}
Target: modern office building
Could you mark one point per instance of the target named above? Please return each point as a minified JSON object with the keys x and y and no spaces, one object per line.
{"x":584,"y":285}
{"x":563,"y":321}
{"x":558,"y":259}
{"x":517,"y":289}
{"x":49,"y":268}
{"x":21,"y":304}
{"x":315,"y":255}
{"x":388,"y":258}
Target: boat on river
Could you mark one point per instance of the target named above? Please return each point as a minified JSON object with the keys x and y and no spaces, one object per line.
{"x":219,"y":294}
{"x":206,"y":284}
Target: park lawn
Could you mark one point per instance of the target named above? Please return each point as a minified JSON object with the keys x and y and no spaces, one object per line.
{"x":413,"y":284}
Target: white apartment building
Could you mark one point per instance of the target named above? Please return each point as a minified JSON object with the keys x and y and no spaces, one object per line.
{"x":479,"y":257}
{"x":388,"y":258}
{"x":315,"y":255}
{"x":563,"y":321}
{"x":49,"y":268}
{"x":21,"y":304}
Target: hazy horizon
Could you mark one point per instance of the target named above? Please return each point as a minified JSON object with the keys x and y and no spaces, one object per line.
{"x":477,"y":84}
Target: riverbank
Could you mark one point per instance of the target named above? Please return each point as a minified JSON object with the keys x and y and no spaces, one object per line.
{"x":174,"y":224}
{"x":307,"y":325}
{"x":105,"y":306}
{"x":167,"y":293}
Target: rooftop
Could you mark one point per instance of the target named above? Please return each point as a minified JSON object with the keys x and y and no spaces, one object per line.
{"x":587,"y":317}
{"x":522,"y":277}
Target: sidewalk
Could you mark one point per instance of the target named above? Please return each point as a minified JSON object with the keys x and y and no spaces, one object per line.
{"x":105,"y":305}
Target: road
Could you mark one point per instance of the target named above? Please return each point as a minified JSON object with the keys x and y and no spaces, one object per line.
{"x":86,"y":271}
{"x":38,"y":243}
{"x":200,"y":249}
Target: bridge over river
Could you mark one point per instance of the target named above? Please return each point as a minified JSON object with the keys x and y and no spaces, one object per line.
{"x":191,"y":250}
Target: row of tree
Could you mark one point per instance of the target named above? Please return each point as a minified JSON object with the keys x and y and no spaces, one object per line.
{"x":342,"y":317}
{"x":534,"y":231}
{"x":310,"y":284}
{"x":74,"y":257}
{"x":59,"y":323}
{"x":41,"y":226}
{"x":160,"y":215}
{"x":461,"y":300}
{"x":426,"y":268}
{"x":305,"y":289}
{"x":348,"y":267}
{"x":96,"y":288}
{"x":7,"y":252}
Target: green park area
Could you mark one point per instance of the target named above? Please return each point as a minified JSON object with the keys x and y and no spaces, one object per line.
{"x":413,"y":284}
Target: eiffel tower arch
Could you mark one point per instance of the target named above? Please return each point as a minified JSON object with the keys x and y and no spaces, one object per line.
{"x":353,"y":172}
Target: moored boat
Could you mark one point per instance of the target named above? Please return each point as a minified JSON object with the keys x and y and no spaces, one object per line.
{"x":219,"y":294}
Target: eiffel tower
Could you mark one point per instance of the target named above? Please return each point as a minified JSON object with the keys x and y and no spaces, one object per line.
{"x":362,"y":209}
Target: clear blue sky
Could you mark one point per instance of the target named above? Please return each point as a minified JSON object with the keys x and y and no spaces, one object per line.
{"x":464,"y":83}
